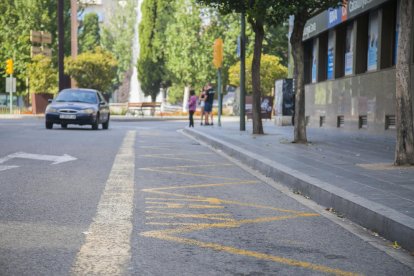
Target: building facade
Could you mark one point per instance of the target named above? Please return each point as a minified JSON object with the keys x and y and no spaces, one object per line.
{"x":350,"y":57}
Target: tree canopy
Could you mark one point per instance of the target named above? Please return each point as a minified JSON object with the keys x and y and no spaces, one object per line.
{"x":272,"y":70}
{"x":89,"y":36}
{"x":94,"y":70}
{"x":152,"y":70}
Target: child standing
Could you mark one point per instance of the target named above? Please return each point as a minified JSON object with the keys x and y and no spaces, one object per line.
{"x":192,"y":105}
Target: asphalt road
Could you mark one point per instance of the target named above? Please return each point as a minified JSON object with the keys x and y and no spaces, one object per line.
{"x":143,"y":199}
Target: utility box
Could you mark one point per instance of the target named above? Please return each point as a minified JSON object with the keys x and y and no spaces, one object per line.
{"x":284,"y":102}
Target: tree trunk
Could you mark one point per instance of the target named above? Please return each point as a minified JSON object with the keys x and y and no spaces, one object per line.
{"x":404,"y":149}
{"x":299,"y":78}
{"x":257,"y":54}
{"x":74,"y":33}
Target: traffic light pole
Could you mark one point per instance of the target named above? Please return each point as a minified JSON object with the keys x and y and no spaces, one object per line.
{"x":11,"y":94}
{"x":219,"y":95}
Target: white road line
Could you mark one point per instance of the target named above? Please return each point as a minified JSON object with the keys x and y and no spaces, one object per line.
{"x":107,"y":250}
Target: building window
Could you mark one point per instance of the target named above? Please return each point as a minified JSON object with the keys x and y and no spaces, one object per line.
{"x":330,"y":55}
{"x":363,"y":121}
{"x":361,"y":44}
{"x":389,"y":121}
{"x":314,"y":60}
{"x":388,"y":34}
{"x":321,"y":121}
{"x":307,"y":46}
{"x":340,"y":51}
{"x":322,"y":56}
{"x":340,"y":121}
{"x":349,"y":50}
{"x":372,"y":62}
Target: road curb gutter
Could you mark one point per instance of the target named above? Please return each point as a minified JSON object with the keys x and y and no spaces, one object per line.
{"x":381,"y":219}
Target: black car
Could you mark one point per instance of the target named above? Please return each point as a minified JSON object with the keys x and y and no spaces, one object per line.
{"x":78,"y":106}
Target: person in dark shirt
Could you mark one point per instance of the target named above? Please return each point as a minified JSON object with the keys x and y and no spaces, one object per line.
{"x":208,"y":108}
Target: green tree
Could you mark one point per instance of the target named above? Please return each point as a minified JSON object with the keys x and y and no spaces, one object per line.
{"x":302,"y":10}
{"x":272,"y":70}
{"x":151,"y":64}
{"x":117,"y":37}
{"x":94,"y":70}
{"x":276,"y":41}
{"x":43,"y":76}
{"x":89,"y":36}
{"x":259,"y":13}
{"x":17,"y":19}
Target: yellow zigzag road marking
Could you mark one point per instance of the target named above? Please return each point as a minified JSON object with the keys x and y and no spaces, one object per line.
{"x":249,"y":253}
{"x":156,"y":190}
{"x":210,"y":200}
{"x":176,"y":154}
{"x":187,"y":173}
{"x":181,"y":206}
{"x":171,"y":234}
{"x":192,"y":166}
{"x":218,"y":201}
{"x":215,"y":216}
{"x":185,"y":159}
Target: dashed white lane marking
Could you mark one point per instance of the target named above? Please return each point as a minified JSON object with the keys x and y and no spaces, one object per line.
{"x":106,"y":250}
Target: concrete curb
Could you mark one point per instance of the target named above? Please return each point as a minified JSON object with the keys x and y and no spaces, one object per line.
{"x":385,"y":221}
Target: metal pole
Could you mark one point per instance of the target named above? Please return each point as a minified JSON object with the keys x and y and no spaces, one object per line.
{"x":242,"y":73}
{"x":219,"y":96}
{"x":11,"y":93}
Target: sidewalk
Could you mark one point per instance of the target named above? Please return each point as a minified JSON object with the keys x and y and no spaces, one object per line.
{"x":350,"y":172}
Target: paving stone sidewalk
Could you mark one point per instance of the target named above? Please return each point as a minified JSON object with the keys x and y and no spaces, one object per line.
{"x":350,"y":172}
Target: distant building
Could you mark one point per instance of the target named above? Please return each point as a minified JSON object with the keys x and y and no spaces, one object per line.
{"x":103,"y":8}
{"x":350,"y":57}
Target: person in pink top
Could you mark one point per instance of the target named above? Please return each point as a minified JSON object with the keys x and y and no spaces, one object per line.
{"x":192,"y":105}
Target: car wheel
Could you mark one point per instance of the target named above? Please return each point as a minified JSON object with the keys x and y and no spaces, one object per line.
{"x":106,"y":124}
{"x":64,"y":125}
{"x":95,"y":124}
{"x":49,"y":125}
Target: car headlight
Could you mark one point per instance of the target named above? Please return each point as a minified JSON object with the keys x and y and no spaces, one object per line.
{"x":88,"y":111}
{"x":50,"y":109}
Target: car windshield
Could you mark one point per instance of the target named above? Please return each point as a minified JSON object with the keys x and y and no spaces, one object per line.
{"x":77,"y":96}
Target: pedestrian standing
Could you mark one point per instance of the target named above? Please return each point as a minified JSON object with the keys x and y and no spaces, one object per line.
{"x":209,"y":104}
{"x":192,"y":105}
{"x":202,"y":101}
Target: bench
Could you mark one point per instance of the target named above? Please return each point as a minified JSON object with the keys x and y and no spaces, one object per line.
{"x":142,"y":106}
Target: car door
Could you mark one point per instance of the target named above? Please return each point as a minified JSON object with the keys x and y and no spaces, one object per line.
{"x":103,"y":108}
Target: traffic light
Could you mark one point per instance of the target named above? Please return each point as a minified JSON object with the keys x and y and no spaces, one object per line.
{"x":218,"y":53}
{"x":9,"y":66}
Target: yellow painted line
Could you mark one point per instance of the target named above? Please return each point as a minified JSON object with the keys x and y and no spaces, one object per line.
{"x":176,"y":154}
{"x":172,"y":223}
{"x":181,"y":206}
{"x":210,"y":200}
{"x":218,"y":201}
{"x":191,"y":174}
{"x":151,"y":190}
{"x":106,"y":249}
{"x":159,"y":215}
{"x":184,"y":159}
{"x":156,"y":147}
{"x":192,"y":166}
{"x":253,"y":254}
{"x":168,"y":213}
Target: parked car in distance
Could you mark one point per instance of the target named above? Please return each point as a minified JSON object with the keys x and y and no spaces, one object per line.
{"x":79,"y":106}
